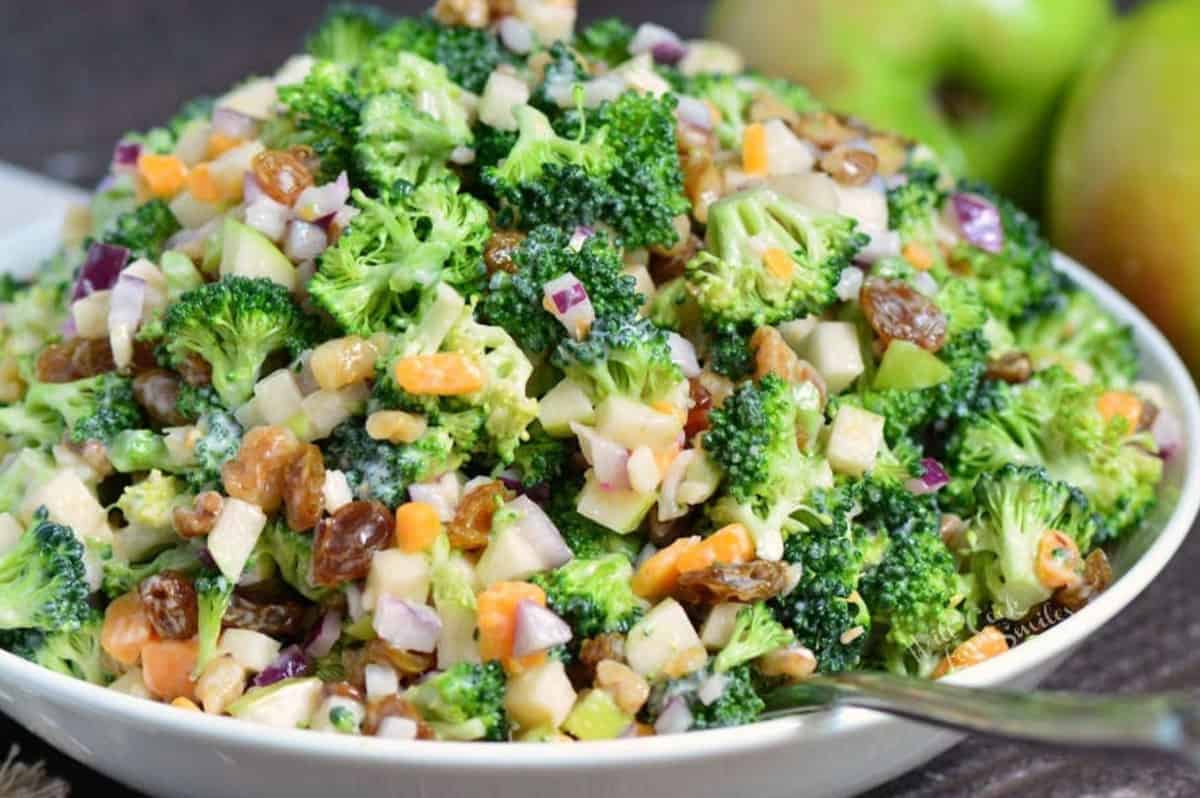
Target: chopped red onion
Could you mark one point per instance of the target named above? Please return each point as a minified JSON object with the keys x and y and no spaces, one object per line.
{"x":653,"y":39}
{"x":537,"y":629}
{"x":252,"y":190}
{"x":510,"y":478}
{"x":69,"y":328}
{"x":683,"y":353}
{"x":668,"y":53}
{"x":233,"y":124}
{"x":407,"y":625}
{"x":396,"y":727}
{"x":536,"y":528}
{"x":290,"y":662}
{"x":580,"y":236}
{"x":933,"y":478}
{"x":304,"y":241}
{"x":567,"y":299}
{"x":268,"y":217}
{"x":977,"y":219}
{"x":325,"y":634}
{"x":849,"y":284}
{"x":344,"y":215}
{"x":695,"y":113}
{"x":125,"y":307}
{"x":206,"y":559}
{"x":608,"y":459}
{"x":125,"y":155}
{"x":516,"y":35}
{"x":100,"y":269}
{"x":560,"y":91}
{"x":1167,"y":432}
{"x":712,"y":688}
{"x":676,"y":718}
{"x":316,"y":201}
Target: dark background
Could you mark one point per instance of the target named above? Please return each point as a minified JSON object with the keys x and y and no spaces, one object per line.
{"x":75,"y":75}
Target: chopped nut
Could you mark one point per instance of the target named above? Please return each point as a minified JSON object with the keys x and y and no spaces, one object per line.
{"x":685,"y":662}
{"x":396,"y":426}
{"x":851,"y":634}
{"x":891,"y":153}
{"x":471,"y":13}
{"x":766,"y":106}
{"x":704,"y":184}
{"x":795,"y":663}
{"x":220,"y":684}
{"x":825,"y":129}
{"x":1011,"y":367}
{"x":198,"y":521}
{"x":850,"y":166}
{"x":772,"y":355}
{"x":500,"y":250}
{"x":627,"y":687}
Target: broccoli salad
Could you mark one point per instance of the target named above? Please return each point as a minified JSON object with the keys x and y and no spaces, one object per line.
{"x":474,"y":377}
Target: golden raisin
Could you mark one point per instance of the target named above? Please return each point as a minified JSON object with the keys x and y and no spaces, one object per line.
{"x":1011,"y":367}
{"x":697,"y":419}
{"x":1097,"y":576}
{"x":850,"y":166}
{"x":257,"y":473}
{"x":199,"y":520}
{"x":303,"y":485}
{"x":897,"y":311}
{"x":346,"y":541}
{"x":501,"y":249}
{"x":281,"y":174}
{"x":825,"y":129}
{"x":75,"y":359}
{"x":472,"y":521}
{"x":195,"y":370}
{"x":756,"y":580}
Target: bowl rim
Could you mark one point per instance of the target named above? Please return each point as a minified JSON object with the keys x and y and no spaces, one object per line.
{"x":229,"y":733}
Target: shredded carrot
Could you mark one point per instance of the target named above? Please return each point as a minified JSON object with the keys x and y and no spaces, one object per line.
{"x":164,"y":175}
{"x":185,"y":703}
{"x":729,"y":544}
{"x":754,"y":150}
{"x":779,"y":263}
{"x":1058,"y":561}
{"x":126,"y":629}
{"x":202,"y":186}
{"x":983,"y":645}
{"x":496,"y":610}
{"x":219,"y":143}
{"x":658,"y":575}
{"x":918,"y":256}
{"x":167,"y":667}
{"x":1120,"y":404}
{"x":439,"y":374}
{"x":417,"y":526}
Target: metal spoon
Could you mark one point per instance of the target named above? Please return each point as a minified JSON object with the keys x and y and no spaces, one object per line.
{"x":1168,"y":722}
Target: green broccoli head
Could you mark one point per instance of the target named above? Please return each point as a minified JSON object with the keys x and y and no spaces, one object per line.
{"x":738,"y":704}
{"x":121,"y":576}
{"x":1017,"y":506}
{"x":541,"y":460}
{"x":214,"y":593}
{"x":914,"y":206}
{"x":606,"y":41}
{"x":755,"y":632}
{"x":734,"y":96}
{"x":396,"y":250}
{"x":144,"y":230}
{"x":43,"y":584}
{"x":196,"y":401}
{"x":593,"y":595}
{"x":235,"y":325}
{"x":470,"y":55}
{"x":1082,"y":337}
{"x":140,"y":450}
{"x":624,"y":356}
{"x":292,"y":554}
{"x":23,"y":425}
{"x":346,"y":33}
{"x":219,"y":442}
{"x":94,"y":409}
{"x":383,"y":471}
{"x":515,"y":301}
{"x":1054,"y":421}
{"x":770,"y":259}
{"x":321,"y":112}
{"x":465,"y":702}
{"x":74,"y":652}
{"x":150,"y":502}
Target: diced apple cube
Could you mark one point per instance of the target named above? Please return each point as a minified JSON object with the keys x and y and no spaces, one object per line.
{"x":336,"y":490}
{"x":254,"y":651}
{"x":132,"y":683}
{"x":541,"y":697}
{"x":659,"y":638}
{"x":718,"y":626}
{"x":619,"y":510}
{"x":834,"y":351}
{"x":255,"y":97}
{"x":795,"y":332}
{"x":278,"y":396}
{"x":69,"y":502}
{"x":503,"y":93}
{"x":399,"y":574}
{"x":854,"y":440}
{"x":508,"y":557}
{"x":786,"y":153}
{"x":288,"y":704}
{"x":234,"y":535}
{"x":633,"y":424}
{"x":91,"y":314}
{"x":322,"y":411}
{"x":563,"y":404}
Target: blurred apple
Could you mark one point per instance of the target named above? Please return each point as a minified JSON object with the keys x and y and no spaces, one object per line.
{"x":1124,"y":189}
{"x":977,"y":80}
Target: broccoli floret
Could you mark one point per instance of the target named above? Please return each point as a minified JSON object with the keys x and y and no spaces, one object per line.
{"x":514,"y":300}
{"x":321,"y":112}
{"x":738,"y":704}
{"x":140,"y":450}
{"x":1054,"y":421}
{"x":767,"y":477}
{"x":674,"y":308}
{"x":235,"y":324}
{"x":770,"y":259}
{"x":94,"y":409}
{"x":292,"y":554}
{"x":606,"y":41}
{"x":541,"y":460}
{"x":376,"y":274}
{"x":465,"y":702}
{"x":21,"y":473}
{"x":755,"y":632}
{"x":1017,"y":506}
{"x":30,"y":426}
{"x":594,"y":596}
{"x":220,"y":440}
{"x":470,"y":55}
{"x":586,"y":539}
{"x":414,"y":119}
{"x":727,"y":350}
{"x":42,"y":580}
{"x":197,"y":401}
{"x":346,"y":33}
{"x":383,"y":471}
{"x":914,"y":205}
{"x":121,"y":576}
{"x":150,"y":502}
{"x":214,"y":593}
{"x":143,"y":231}
{"x":624,"y":356}
{"x":1082,"y":337}
{"x":74,"y":652}
{"x":734,"y":95}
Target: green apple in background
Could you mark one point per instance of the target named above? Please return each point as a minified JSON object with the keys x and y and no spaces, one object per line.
{"x":977,"y":80}
{"x":1123,"y":194}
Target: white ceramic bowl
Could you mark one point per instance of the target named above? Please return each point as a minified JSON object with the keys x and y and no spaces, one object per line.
{"x":168,"y":752}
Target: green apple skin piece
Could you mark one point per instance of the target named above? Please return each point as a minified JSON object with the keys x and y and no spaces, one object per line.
{"x":245,"y":252}
{"x":891,"y":62}
{"x":1123,"y":195}
{"x":908,"y":367}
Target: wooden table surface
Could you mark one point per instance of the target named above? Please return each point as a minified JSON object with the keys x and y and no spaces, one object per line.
{"x":76,"y":75}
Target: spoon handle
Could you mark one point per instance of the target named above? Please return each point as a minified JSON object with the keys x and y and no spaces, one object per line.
{"x":1164,"y":721}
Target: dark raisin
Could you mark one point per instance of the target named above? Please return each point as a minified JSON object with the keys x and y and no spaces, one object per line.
{"x":472,"y":521}
{"x":346,"y":541}
{"x":303,"y":487}
{"x":897,"y":311}
{"x":170,"y":602}
{"x":274,"y":617}
{"x":157,"y":391}
{"x":720,"y":582}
